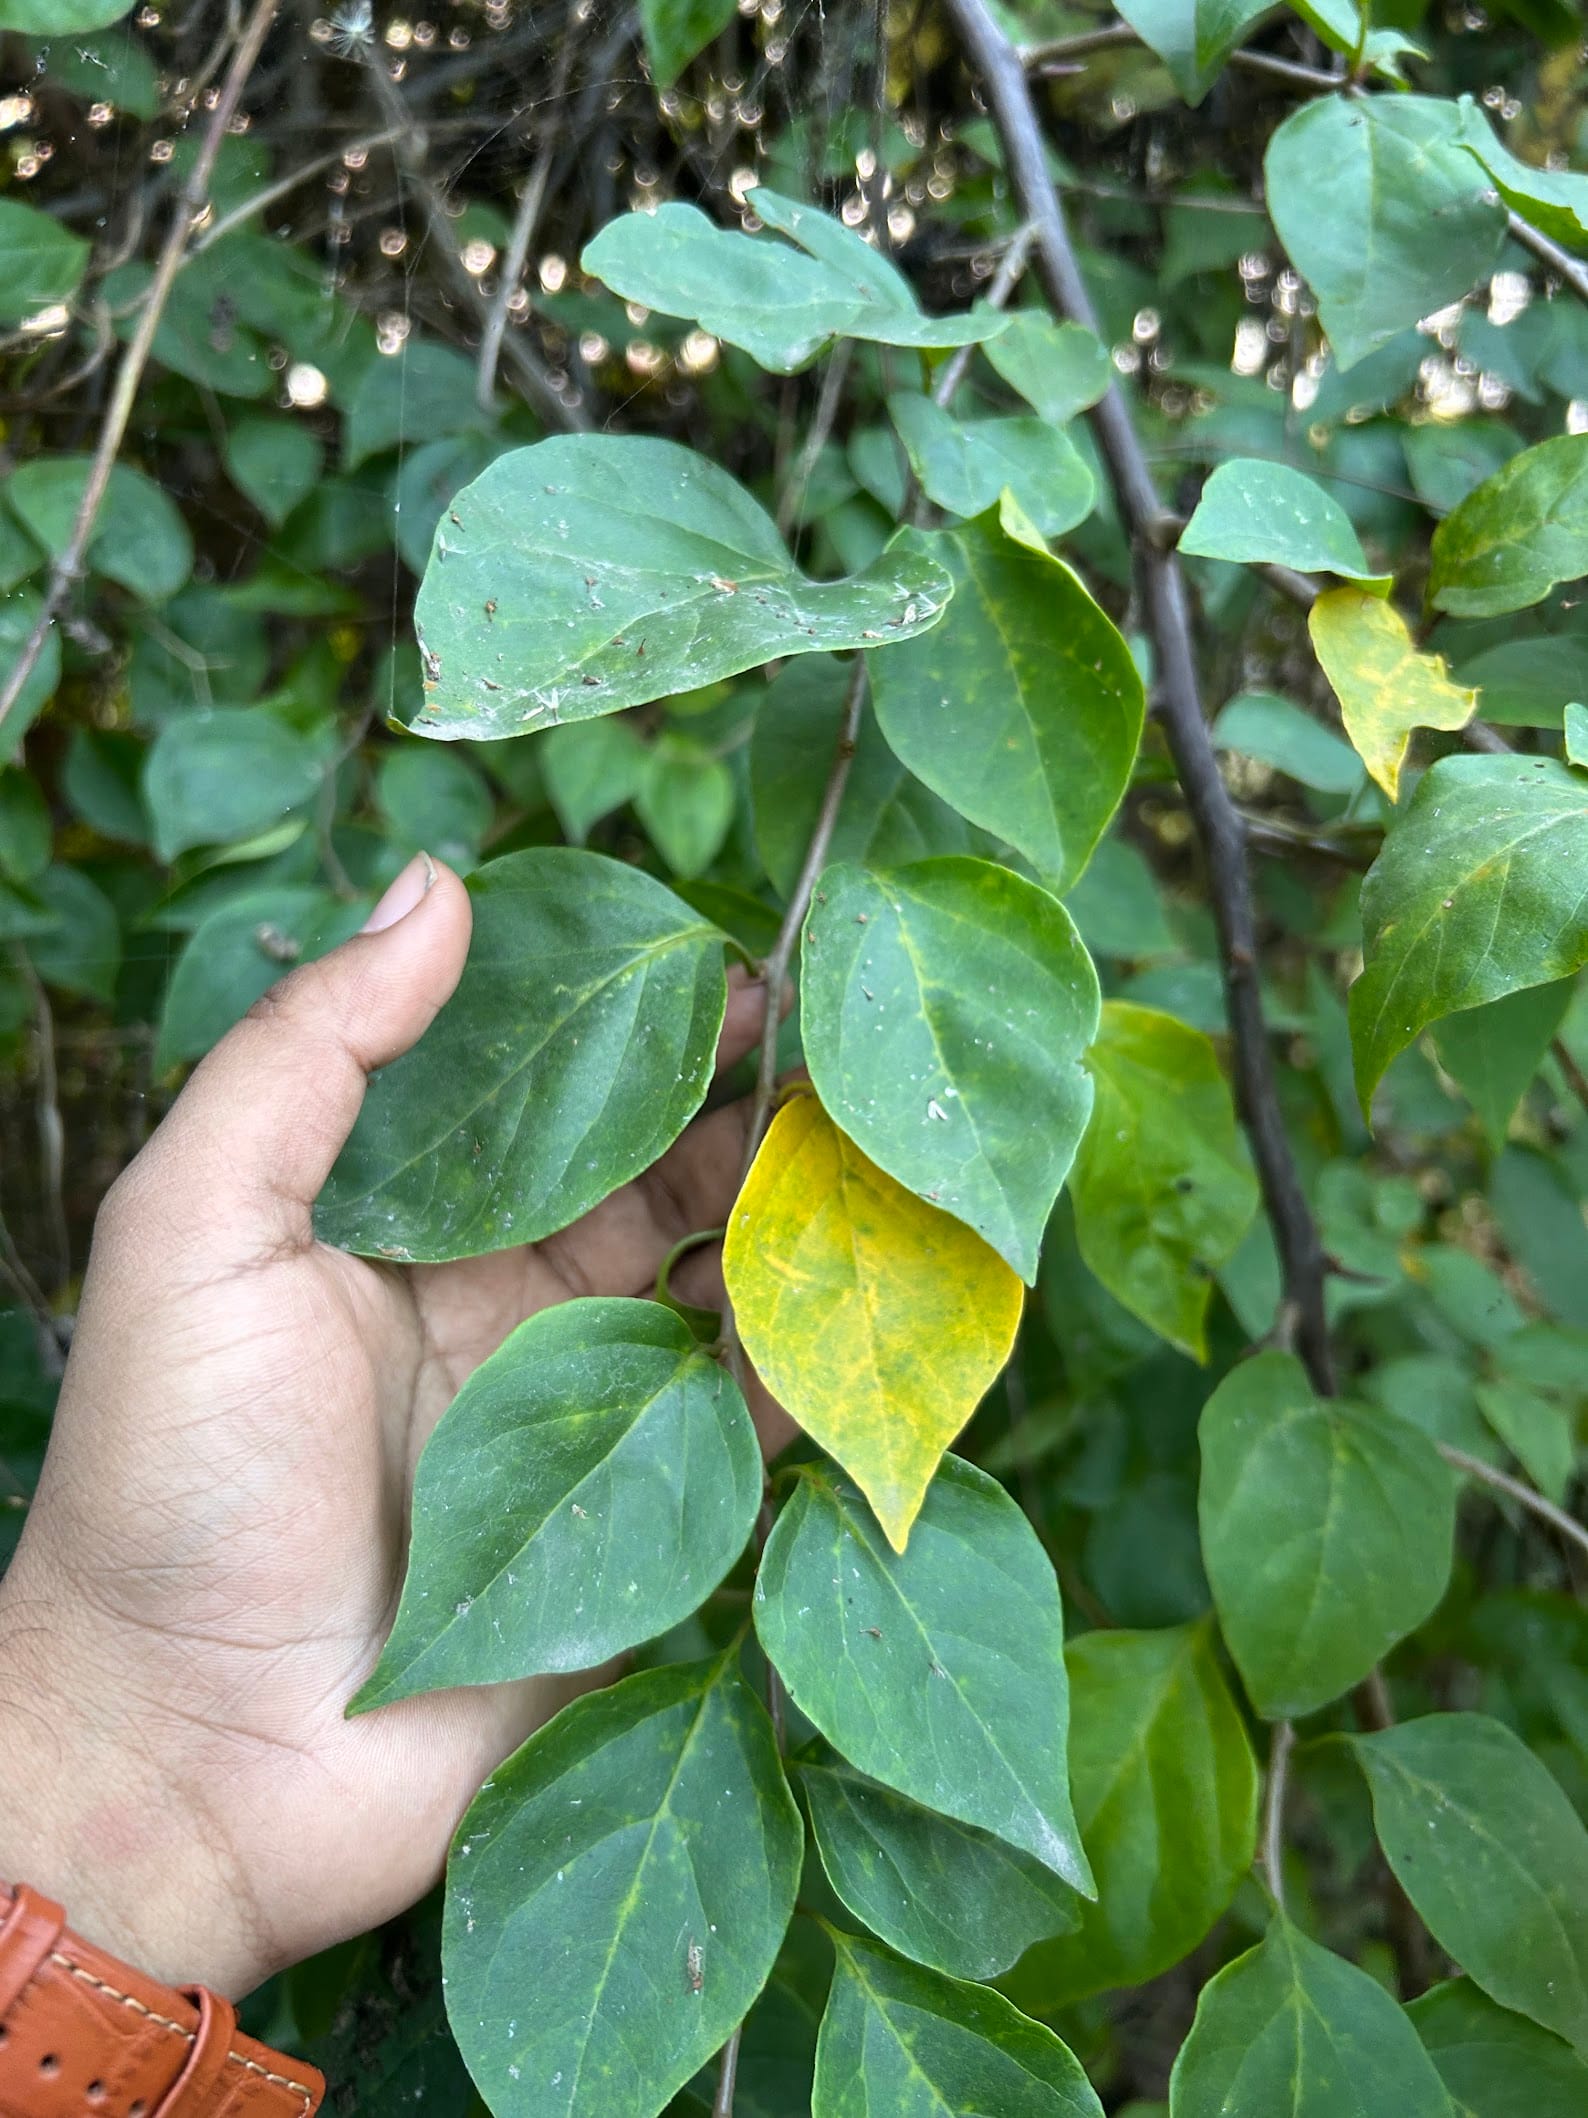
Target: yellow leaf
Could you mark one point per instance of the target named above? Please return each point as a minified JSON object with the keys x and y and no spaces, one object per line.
{"x":876,"y":1319}
{"x":1385,"y":687}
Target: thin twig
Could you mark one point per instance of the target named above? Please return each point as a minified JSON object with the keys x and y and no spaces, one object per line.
{"x":1478,"y":735}
{"x":259,"y":201}
{"x":410,"y":146}
{"x":1280,"y":1745}
{"x":1004,"y":282}
{"x":1576,"y":1079}
{"x":527,"y":218}
{"x":1571,"y":271}
{"x":1168,"y":617}
{"x":1059,"y":51}
{"x":835,"y":375}
{"x":190,"y":203}
{"x":727,"y":2076}
{"x":1265,"y":62}
{"x":1517,"y":1489}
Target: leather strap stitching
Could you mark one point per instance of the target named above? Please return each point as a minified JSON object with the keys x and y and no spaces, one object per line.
{"x":281,"y":2081}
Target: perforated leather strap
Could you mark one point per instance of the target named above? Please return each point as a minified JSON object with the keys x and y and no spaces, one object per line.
{"x":83,"y":2036}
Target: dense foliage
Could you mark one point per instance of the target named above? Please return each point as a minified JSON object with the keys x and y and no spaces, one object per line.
{"x":1064,"y":534}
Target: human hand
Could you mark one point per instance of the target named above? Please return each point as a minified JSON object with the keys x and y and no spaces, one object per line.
{"x":217,"y":1545}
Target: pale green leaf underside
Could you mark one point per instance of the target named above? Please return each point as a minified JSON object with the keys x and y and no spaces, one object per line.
{"x":596,"y":571}
{"x":1253,"y":511}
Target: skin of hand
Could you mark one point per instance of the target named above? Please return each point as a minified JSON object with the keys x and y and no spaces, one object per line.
{"x":215,"y":1552}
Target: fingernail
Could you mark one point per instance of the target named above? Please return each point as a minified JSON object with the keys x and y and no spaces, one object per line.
{"x":411,"y":888}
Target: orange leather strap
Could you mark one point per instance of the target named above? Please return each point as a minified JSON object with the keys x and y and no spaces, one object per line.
{"x":82,"y":2036}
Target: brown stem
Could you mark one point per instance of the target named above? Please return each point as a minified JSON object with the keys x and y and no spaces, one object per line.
{"x":1168,"y":615}
{"x":190,"y":203}
{"x":1576,"y":1079}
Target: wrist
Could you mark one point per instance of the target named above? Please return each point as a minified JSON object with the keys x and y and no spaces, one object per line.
{"x":86,"y":1818}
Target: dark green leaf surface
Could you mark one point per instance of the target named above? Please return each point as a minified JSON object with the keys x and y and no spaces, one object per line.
{"x":1326,"y":1532}
{"x":41,"y":261}
{"x":1252,"y":510}
{"x":1493,"y":1052}
{"x":212,"y":779}
{"x":1279,"y":733}
{"x":19,"y":611}
{"x":1162,"y":1185}
{"x":1192,"y":37}
{"x":886,"y":817}
{"x":1293,"y":2031}
{"x":275,"y":462}
{"x":617,"y":1894}
{"x":1480,"y":836}
{"x":938,"y":1670}
{"x":596,"y":571}
{"x":1495,"y":2064}
{"x":1165,"y":1789}
{"x":592,"y":768}
{"x":909,"y":2043}
{"x":587,"y":1488}
{"x":1493,"y":1856}
{"x":944,"y":1893}
{"x":1023,"y":709}
{"x":434,"y":800}
{"x":780,"y":304}
{"x":80,"y":951}
{"x":945,"y":1008}
{"x":576,"y":1048}
{"x":1518,"y":534}
{"x":139,"y":538}
{"x":1382,"y":210}
{"x":965,"y":464}
{"x":675,"y":30}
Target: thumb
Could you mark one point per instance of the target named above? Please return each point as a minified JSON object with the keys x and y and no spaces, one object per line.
{"x":252,"y":1137}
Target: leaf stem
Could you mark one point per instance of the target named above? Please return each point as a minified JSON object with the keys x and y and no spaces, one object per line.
{"x":1518,"y":1490}
{"x":727,"y":2076}
{"x":1281,"y":1744}
{"x":1168,"y":615}
{"x":190,"y":203}
{"x":1571,"y":271}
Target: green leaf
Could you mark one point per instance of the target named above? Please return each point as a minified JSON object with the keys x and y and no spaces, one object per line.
{"x":41,"y":262}
{"x":676,"y":30}
{"x":592,"y":768}
{"x":1480,"y":833}
{"x":56,"y":18}
{"x":587,"y":1488}
{"x":596,"y":571}
{"x":434,"y":800}
{"x":1518,"y":534}
{"x":1291,"y":2028}
{"x":1574,"y":726}
{"x":1495,"y":2064}
{"x":1492,"y":1855}
{"x":81,"y":952}
{"x":1537,"y":1432}
{"x":1059,"y":369}
{"x":912,"y":2043}
{"x":238,"y":953}
{"x":944,"y":1893}
{"x":19,"y":613}
{"x":274,"y":462}
{"x":1193,"y":38}
{"x":1555,"y":200}
{"x":1279,"y":733}
{"x":886,"y":816}
{"x":424,"y":391}
{"x":1162,"y":1185}
{"x":617,"y":1894}
{"x":26,"y":827}
{"x":685,"y":800}
{"x":1165,"y":1788}
{"x":116,"y":70}
{"x":1326,"y":1532}
{"x":965,"y":464}
{"x":945,"y":1008}
{"x":1385,"y":687}
{"x":576,"y":1048}
{"x":1023,"y":709}
{"x":1382,"y":210}
{"x":1446,"y":462}
{"x":1256,"y":511}
{"x":198,"y":334}
{"x":214,"y":778}
{"x":939,"y":1670}
{"x":781,"y":305}
{"x":1493,"y":1052}
{"x":139,"y":538}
